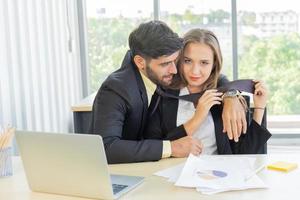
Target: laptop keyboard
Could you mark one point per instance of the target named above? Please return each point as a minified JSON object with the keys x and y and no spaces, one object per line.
{"x":117,"y":188}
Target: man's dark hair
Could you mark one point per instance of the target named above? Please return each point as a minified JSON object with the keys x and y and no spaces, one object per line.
{"x":154,"y":39}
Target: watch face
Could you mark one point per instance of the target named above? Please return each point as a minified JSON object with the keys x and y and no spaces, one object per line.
{"x":232,"y":93}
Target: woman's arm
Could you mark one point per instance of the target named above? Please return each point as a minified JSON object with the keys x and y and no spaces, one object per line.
{"x":181,"y":144}
{"x":205,"y":102}
{"x":257,"y":136}
{"x":260,"y":101}
{"x":162,"y":123}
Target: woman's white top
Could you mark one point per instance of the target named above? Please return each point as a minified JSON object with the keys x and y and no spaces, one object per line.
{"x":205,"y":132}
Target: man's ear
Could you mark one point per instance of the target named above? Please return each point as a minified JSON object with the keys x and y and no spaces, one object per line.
{"x":140,"y":62}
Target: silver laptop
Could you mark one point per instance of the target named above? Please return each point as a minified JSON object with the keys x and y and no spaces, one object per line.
{"x":70,"y":164}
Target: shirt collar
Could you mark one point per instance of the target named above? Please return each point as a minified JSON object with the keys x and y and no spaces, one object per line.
{"x":149,"y":85}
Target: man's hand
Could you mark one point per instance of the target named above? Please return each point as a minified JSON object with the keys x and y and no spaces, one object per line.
{"x":186,"y":145}
{"x":234,"y":118}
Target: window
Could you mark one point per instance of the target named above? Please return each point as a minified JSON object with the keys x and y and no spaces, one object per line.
{"x":214,"y":15}
{"x":270,"y":50}
{"x":268,"y":43}
{"x":109,"y":25}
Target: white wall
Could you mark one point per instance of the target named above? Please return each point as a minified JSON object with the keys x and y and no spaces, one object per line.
{"x":40,"y":78}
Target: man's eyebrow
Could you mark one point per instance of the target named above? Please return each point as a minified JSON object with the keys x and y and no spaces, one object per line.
{"x":166,"y":62}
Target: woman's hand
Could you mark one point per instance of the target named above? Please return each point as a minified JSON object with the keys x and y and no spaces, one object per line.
{"x":260,"y":95}
{"x":260,"y":100}
{"x":205,"y":102}
{"x":208,"y":100}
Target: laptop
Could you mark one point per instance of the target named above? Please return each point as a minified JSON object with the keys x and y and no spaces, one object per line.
{"x":70,"y":164}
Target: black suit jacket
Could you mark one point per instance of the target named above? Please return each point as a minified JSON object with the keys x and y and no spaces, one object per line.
{"x":162,"y":125}
{"x":119,"y":116}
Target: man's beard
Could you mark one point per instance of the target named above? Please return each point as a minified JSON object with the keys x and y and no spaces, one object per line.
{"x":154,"y":78}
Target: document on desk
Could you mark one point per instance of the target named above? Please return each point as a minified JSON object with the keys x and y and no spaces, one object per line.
{"x":214,"y":174}
{"x":254,"y":182}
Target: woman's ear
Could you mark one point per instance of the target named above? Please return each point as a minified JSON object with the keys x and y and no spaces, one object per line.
{"x":140,"y":62}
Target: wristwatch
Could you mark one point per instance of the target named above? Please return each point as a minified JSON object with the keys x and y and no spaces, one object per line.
{"x":231,"y":93}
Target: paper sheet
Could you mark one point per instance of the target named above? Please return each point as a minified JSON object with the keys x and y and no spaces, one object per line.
{"x":214,"y":174}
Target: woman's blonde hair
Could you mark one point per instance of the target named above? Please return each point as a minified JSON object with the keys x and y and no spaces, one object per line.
{"x":204,"y":37}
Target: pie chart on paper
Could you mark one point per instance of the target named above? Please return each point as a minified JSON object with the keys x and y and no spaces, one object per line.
{"x":211,"y":174}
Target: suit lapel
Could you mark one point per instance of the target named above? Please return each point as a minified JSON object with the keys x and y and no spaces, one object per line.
{"x":137,"y":90}
{"x":143,"y":97}
{"x":169,"y":111}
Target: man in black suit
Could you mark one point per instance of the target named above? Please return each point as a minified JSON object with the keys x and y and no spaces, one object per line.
{"x":122,"y":103}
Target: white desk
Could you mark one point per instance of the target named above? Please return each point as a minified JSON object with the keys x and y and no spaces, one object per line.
{"x":282,"y":185}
